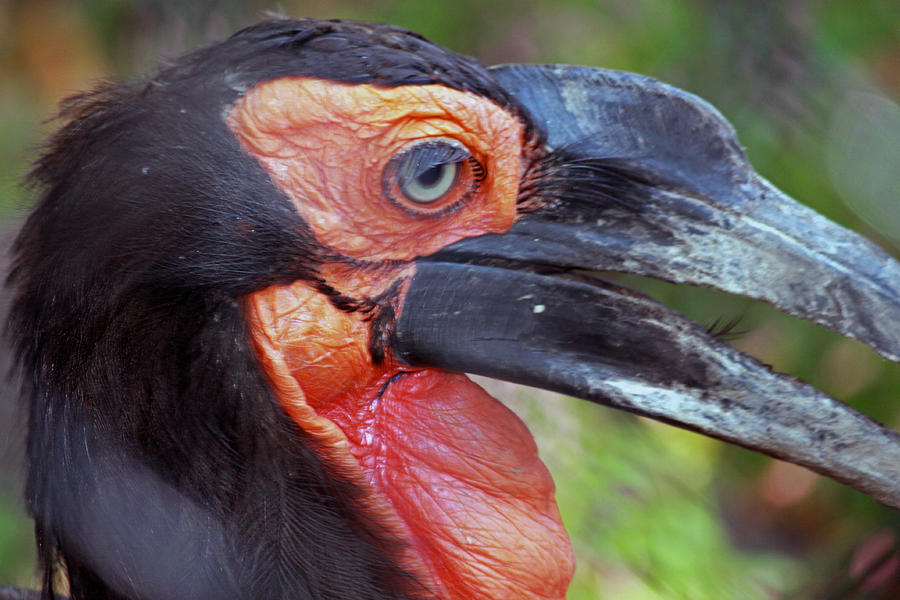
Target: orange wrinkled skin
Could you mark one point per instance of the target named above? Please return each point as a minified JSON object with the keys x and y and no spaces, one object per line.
{"x":326,"y":348}
{"x":449,"y":469}
{"x":326,"y":145}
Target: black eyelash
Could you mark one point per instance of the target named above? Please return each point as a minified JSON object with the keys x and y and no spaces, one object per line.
{"x":478,"y":172}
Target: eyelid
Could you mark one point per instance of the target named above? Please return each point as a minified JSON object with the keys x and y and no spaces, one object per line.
{"x":430,"y":153}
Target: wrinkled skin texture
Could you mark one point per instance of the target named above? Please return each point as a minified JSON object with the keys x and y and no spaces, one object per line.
{"x":452,"y":471}
{"x":326,"y":145}
{"x":463,"y":473}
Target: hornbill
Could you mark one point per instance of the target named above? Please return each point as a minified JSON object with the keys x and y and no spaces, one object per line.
{"x":251,"y":282}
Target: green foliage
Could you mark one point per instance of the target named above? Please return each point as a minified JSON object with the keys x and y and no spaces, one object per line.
{"x":16,"y":543}
{"x":640,"y":500}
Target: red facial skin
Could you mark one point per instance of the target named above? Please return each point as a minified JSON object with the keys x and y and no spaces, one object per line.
{"x":450,"y":469}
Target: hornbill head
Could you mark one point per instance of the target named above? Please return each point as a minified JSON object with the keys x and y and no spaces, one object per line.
{"x":250,"y":283}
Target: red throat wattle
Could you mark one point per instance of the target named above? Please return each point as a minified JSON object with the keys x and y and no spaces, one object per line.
{"x":451,"y":471}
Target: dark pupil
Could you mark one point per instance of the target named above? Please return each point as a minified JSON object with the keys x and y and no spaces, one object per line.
{"x":430,"y":176}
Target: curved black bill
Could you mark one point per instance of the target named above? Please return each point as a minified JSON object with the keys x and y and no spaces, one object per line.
{"x":515,"y":307}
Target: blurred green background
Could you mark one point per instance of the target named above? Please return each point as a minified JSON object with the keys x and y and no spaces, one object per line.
{"x":656,"y":513}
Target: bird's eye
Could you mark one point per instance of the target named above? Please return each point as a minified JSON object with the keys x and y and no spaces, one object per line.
{"x":429,"y":174}
{"x":429,"y":185}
